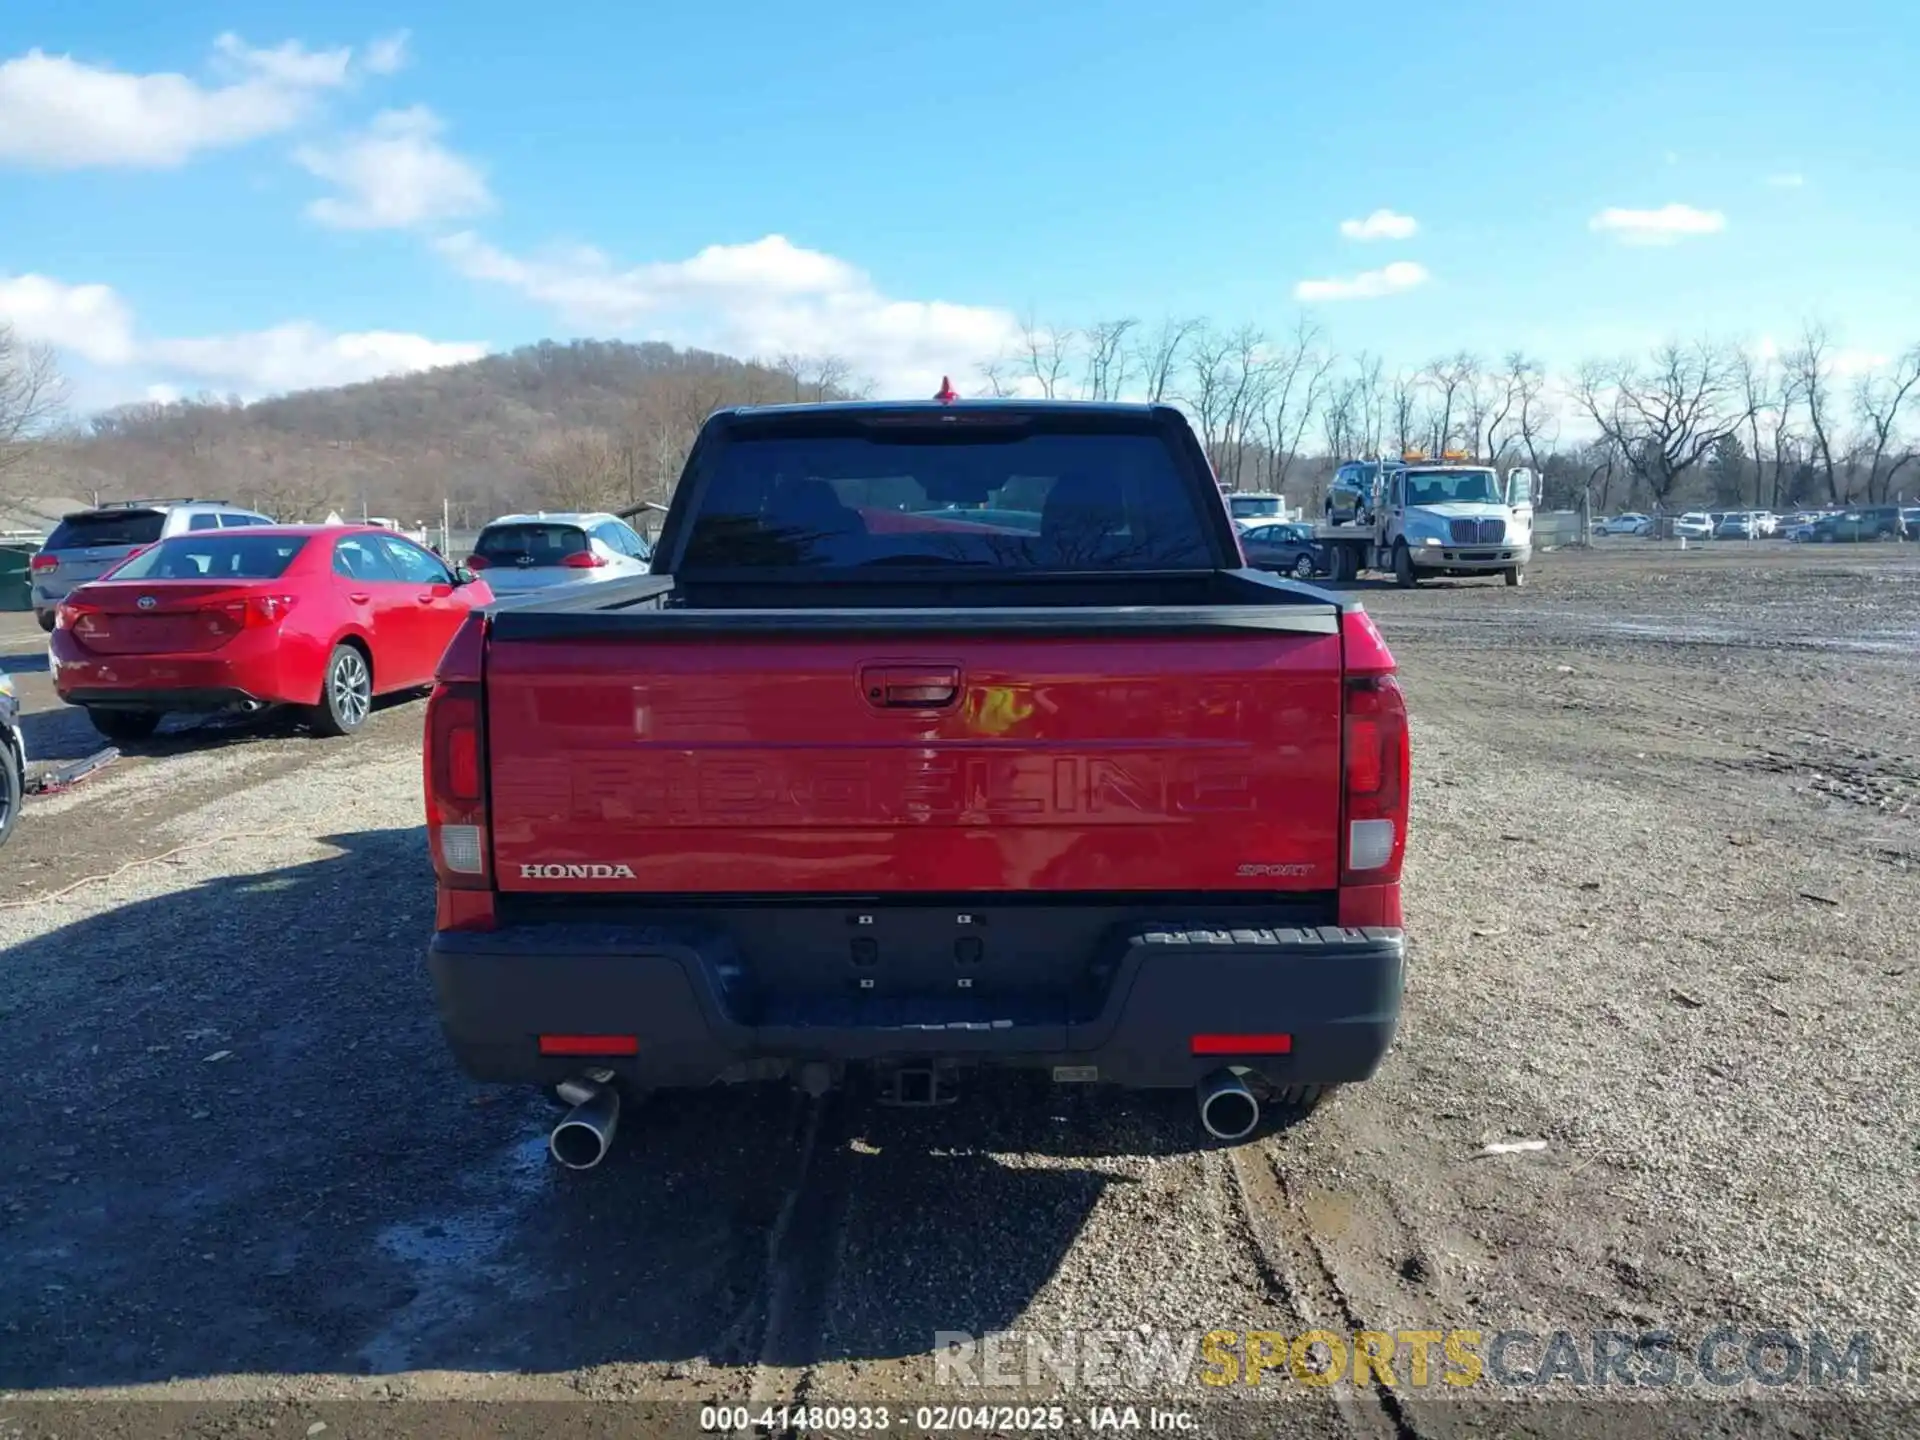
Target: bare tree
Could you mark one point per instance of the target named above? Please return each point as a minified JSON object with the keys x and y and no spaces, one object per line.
{"x":1340,"y":421}
{"x":1161,"y":357}
{"x":1211,"y":382}
{"x":1500,"y":406}
{"x":809,"y":377}
{"x":1601,"y":458}
{"x":1813,"y":380}
{"x":578,"y":470}
{"x":1879,"y":399}
{"x":1406,"y":404}
{"x":1299,"y":375}
{"x":1539,"y":425}
{"x":1047,"y":354}
{"x":1666,"y":414}
{"x":1370,"y":405}
{"x":794,"y":370}
{"x":1758,"y":397}
{"x":1106,"y":359}
{"x":32,"y":396}
{"x":994,"y":375}
{"x":1452,"y":382}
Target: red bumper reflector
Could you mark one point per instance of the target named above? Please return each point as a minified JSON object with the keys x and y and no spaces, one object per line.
{"x":589,"y":1044}
{"x":1243,"y":1044}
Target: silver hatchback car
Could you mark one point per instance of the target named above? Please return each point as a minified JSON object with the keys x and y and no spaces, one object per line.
{"x":88,"y":543}
{"x":517,"y":553}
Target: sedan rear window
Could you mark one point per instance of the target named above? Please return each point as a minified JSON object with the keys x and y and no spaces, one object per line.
{"x":529,"y":543}
{"x":213,"y":555}
{"x":107,"y":527}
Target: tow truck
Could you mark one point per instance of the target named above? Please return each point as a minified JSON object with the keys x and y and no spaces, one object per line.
{"x":1417,"y":517}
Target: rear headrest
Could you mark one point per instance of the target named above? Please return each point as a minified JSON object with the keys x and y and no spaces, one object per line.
{"x":1081,"y":507}
{"x":814,"y":505}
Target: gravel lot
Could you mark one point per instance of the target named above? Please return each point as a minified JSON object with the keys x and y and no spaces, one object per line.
{"x":1660,"y":890}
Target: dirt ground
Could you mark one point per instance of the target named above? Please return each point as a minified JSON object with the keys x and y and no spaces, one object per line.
{"x":1661,"y":892}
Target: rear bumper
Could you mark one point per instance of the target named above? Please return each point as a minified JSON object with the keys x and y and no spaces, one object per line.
{"x":47,"y":594}
{"x":190,"y":701}
{"x":179,"y":683}
{"x":1335,"y":992}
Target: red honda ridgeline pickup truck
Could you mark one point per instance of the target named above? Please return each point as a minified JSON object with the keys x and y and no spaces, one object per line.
{"x":943,"y":734}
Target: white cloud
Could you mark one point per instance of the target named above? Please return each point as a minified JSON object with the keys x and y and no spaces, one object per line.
{"x":767,"y":297}
{"x":93,"y":323}
{"x":88,"y":320}
{"x":288,"y":64}
{"x":395,"y":175}
{"x":61,"y":113}
{"x":302,"y":356}
{"x":1665,"y":226}
{"x":388,"y":55}
{"x":1392,"y":279}
{"x":1380,"y":225}
{"x":1788,"y":181}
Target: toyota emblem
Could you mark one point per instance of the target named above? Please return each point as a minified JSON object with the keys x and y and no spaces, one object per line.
{"x":146,"y":602}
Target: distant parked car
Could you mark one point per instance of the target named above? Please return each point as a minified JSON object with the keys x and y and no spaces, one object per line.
{"x":13,"y":759}
{"x":1910,"y":522}
{"x":1694,"y":525}
{"x":88,"y":543}
{"x":1631,"y":523}
{"x":1870,"y":522}
{"x":518,"y":553}
{"x":319,"y":616}
{"x":1285,"y":548}
{"x":1737,"y":526}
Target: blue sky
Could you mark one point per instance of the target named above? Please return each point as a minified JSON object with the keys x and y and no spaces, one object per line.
{"x":264,"y":197}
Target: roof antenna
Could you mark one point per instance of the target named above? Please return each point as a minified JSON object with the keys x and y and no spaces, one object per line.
{"x":947,"y":393}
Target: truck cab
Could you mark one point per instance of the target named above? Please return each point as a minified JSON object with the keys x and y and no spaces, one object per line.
{"x":1415,"y":517}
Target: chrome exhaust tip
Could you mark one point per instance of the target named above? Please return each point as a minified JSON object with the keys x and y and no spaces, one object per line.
{"x":1228,"y":1109}
{"x":582,"y":1138}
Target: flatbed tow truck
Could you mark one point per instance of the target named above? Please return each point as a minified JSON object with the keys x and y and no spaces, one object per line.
{"x":1414,"y":518}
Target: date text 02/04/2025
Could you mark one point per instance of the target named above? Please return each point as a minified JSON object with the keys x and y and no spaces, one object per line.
{"x":939,"y":1419}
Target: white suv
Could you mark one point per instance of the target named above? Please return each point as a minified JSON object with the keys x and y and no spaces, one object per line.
{"x":1694,"y":525}
{"x":88,"y":543}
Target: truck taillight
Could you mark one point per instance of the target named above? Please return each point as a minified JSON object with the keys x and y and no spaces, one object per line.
{"x":1376,"y":767}
{"x":457,"y":829}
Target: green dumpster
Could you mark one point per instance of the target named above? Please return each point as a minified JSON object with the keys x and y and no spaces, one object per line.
{"x":16,"y":583}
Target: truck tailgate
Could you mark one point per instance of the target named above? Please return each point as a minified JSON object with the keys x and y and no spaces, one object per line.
{"x":934,"y":763}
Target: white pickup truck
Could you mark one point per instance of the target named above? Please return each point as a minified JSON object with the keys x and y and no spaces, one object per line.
{"x":1419,"y":518}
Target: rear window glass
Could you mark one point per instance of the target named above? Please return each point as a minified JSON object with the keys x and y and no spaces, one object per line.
{"x":529,"y":544}
{"x":1037,"y":502}
{"x":212,"y":555}
{"x":110,"y":527}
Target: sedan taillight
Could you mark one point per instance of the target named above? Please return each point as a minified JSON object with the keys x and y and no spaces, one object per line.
{"x":583,"y":560}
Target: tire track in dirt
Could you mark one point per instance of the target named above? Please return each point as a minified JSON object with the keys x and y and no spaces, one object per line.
{"x":1295,"y":1266}
{"x":804,"y":1249}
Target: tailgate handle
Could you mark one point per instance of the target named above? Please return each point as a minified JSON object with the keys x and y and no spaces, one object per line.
{"x":911,"y":687}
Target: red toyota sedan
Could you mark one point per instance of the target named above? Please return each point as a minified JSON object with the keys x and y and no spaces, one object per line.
{"x":324,"y":617}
